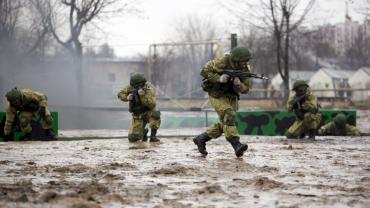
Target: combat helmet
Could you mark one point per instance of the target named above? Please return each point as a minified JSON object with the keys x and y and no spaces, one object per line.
{"x":299,"y":83}
{"x":340,"y":120}
{"x":137,"y":79}
{"x":14,"y":97}
{"x":240,"y":54}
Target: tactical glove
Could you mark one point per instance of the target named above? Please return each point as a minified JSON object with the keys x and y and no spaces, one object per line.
{"x":141,"y":91}
{"x":237,"y":81}
{"x":224,"y":78}
{"x":130,"y":97}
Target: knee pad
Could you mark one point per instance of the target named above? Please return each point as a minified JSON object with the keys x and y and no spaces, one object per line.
{"x":230,"y":117}
{"x":156,"y":115}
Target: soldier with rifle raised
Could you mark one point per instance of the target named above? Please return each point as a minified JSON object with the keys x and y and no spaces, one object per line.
{"x":225,"y":78}
{"x":142,"y":101}
{"x":305,"y":106}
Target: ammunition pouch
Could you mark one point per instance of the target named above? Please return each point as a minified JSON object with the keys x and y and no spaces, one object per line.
{"x":216,"y":90}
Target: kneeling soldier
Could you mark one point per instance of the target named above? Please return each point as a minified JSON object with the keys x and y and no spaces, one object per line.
{"x":306,"y":108}
{"x":142,"y":101}
{"x":339,"y":127}
{"x":27,"y":104}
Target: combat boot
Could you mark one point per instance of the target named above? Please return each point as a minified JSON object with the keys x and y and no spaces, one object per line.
{"x":49,"y":135}
{"x":153,"y":137}
{"x":145,"y":137}
{"x":239,"y":148}
{"x":27,"y":137}
{"x":312,"y":134}
{"x":200,"y":141}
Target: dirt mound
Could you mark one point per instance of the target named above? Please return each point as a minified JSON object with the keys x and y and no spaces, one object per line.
{"x":260,"y":183}
{"x":115,"y":165}
{"x":264,"y":183}
{"x":211,"y":189}
{"x":20,"y":192}
{"x":241,"y":166}
{"x":72,"y":169}
{"x":176,"y":169}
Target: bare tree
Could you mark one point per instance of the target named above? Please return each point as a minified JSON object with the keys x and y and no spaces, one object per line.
{"x":81,"y":14}
{"x":184,"y":60}
{"x":23,"y":25}
{"x":281,"y":18}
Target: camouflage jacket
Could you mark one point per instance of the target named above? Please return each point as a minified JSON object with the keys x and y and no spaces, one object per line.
{"x":331,"y":129}
{"x":309,"y":104}
{"x":31,"y":101}
{"x":147,"y":100}
{"x":213,"y":69}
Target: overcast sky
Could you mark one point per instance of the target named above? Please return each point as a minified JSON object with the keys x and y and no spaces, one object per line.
{"x":132,"y":34}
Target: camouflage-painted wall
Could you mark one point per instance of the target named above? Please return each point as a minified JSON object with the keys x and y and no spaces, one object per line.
{"x":273,"y":123}
{"x":18,"y":136}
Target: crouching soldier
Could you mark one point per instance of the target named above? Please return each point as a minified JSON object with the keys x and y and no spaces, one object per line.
{"x":306,"y":109}
{"x":27,"y":104}
{"x":142,"y":101}
{"x":223,"y":94}
{"x":339,"y":127}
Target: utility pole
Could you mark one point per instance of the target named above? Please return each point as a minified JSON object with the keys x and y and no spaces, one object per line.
{"x":233,"y":40}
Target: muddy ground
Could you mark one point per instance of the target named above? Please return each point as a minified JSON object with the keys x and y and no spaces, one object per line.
{"x":328,"y":172}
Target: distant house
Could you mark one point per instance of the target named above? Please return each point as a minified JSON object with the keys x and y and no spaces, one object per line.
{"x":105,"y":77}
{"x":276,"y":86}
{"x":360,"y":80}
{"x":328,"y":81}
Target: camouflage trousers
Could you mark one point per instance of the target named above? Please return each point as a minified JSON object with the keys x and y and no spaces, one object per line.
{"x":138,"y":123}
{"x":25,"y":118}
{"x":299,"y":127}
{"x":226,"y":108}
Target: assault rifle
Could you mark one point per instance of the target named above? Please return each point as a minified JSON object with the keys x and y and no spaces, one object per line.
{"x":297,"y":106}
{"x":242,"y":74}
{"x":133,"y":104}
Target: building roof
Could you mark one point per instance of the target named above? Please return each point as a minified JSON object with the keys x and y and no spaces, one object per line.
{"x":366,"y":69}
{"x":305,"y":75}
{"x":338,"y":73}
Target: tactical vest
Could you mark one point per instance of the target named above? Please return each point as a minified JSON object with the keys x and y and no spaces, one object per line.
{"x":220,"y":89}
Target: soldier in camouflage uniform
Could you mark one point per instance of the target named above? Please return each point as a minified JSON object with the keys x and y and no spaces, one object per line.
{"x":141,"y":97}
{"x":306,"y":108}
{"x":223,"y":94}
{"x":339,"y":127}
{"x":27,"y":104}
